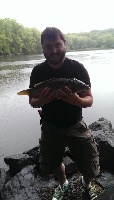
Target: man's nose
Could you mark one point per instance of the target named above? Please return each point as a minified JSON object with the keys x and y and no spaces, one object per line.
{"x":54,"y":49}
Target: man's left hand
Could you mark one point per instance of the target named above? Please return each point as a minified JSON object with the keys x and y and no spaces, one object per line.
{"x":66,"y":94}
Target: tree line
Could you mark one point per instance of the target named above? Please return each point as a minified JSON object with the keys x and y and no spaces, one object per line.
{"x":17,"y":39}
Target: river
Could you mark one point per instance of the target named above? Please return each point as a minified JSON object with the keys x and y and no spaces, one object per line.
{"x":19,"y":122}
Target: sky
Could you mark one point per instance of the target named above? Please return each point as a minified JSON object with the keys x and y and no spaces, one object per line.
{"x":70,"y":16}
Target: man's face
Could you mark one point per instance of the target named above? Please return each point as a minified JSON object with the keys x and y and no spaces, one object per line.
{"x":54,"y":50}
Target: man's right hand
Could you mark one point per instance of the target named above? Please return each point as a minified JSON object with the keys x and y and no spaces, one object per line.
{"x":45,"y":97}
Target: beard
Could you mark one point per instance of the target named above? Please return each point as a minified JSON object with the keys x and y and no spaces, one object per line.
{"x":55,"y":59}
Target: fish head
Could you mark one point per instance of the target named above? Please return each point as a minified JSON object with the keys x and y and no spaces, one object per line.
{"x":83,"y":87}
{"x":79,"y":86}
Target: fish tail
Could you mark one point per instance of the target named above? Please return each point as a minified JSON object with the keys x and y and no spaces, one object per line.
{"x":24,"y":92}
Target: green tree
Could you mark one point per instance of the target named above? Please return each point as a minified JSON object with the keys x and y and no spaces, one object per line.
{"x":17,"y":39}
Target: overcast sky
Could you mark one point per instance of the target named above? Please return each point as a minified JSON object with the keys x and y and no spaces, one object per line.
{"x":71,"y":16}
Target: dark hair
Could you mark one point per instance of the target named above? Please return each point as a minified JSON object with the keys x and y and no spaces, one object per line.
{"x":52,"y":33}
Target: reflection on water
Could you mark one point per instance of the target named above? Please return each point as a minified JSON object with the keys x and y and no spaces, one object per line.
{"x":18,"y":130}
{"x":9,"y":77}
{"x":19,"y":122}
{"x":19,"y":58}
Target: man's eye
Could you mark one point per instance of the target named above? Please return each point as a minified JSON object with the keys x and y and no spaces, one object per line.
{"x":58,"y":45}
{"x":48,"y":47}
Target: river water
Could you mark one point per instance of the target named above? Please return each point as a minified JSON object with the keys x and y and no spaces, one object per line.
{"x":19,"y":122}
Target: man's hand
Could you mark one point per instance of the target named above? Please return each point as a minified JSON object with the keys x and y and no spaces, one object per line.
{"x":65,"y":94}
{"x":84,"y":100}
{"x":45,"y":97}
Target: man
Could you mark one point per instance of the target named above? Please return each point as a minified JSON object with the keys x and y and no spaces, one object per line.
{"x":61,"y":116}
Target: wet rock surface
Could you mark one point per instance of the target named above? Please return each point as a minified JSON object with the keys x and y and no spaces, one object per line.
{"x":107,"y":194}
{"x":25,"y":181}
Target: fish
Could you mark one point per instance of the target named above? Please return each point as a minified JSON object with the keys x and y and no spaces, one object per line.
{"x":55,"y":84}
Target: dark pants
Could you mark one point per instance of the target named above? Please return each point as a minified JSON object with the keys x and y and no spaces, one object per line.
{"x":80,"y":142}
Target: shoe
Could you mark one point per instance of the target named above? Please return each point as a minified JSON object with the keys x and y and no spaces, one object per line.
{"x":91,"y":193}
{"x":90,"y":190}
{"x":59,"y":191}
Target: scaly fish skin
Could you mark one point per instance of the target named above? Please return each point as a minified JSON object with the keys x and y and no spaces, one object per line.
{"x":74,"y":84}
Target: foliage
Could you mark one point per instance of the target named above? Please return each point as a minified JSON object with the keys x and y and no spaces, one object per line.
{"x":17,"y":39}
{"x":96,"y":39}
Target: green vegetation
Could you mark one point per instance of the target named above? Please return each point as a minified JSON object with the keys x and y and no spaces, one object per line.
{"x":17,"y":39}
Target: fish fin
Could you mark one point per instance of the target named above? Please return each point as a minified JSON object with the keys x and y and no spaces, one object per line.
{"x":24,"y":92}
{"x":37,"y":84}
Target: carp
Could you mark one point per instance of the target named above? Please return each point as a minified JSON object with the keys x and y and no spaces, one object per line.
{"x":55,"y":84}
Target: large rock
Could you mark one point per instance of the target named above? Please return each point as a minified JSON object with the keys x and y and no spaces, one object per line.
{"x":104,"y":136}
{"x":18,"y":161}
{"x":2,"y":178}
{"x":25,"y":180}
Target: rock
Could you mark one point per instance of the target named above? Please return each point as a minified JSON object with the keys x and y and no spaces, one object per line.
{"x":104,"y":136}
{"x":25,"y":180}
{"x":18,"y":161}
{"x":34,"y":154}
{"x":102,"y":124}
{"x":27,"y":185}
{"x":105,"y":179}
{"x":107,"y":194}
{"x":2,"y":178}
